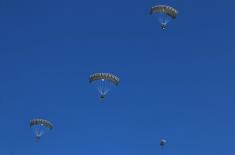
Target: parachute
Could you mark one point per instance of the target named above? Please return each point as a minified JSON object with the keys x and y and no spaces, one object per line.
{"x":104,"y":82}
{"x":165,"y":14}
{"x":163,"y":143}
{"x":40,"y":127}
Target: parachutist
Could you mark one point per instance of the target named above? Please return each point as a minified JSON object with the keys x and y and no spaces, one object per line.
{"x":102,"y":98}
{"x":163,"y":143}
{"x":163,"y":26}
{"x":37,"y":138}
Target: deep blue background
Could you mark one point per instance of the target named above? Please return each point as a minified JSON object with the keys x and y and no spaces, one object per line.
{"x":177,"y":84}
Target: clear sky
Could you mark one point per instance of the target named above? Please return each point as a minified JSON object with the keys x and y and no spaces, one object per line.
{"x":177,"y":84}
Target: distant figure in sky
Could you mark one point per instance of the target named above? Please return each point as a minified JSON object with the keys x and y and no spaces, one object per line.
{"x":163,"y":143}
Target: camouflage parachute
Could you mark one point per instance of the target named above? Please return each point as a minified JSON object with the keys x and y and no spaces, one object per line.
{"x":165,"y":14}
{"x":104,"y":82}
{"x":40,"y":127}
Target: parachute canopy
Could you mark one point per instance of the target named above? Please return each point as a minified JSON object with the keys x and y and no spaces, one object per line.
{"x":104,"y":82}
{"x":104,"y":76}
{"x":170,"y":11}
{"x":41,"y":122}
{"x":40,"y":127}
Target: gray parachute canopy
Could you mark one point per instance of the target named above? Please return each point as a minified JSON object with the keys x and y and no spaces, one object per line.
{"x":104,"y":76}
{"x":170,"y":11}
{"x":42,"y":122}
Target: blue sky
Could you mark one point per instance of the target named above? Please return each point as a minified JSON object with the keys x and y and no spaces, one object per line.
{"x":177,"y":84}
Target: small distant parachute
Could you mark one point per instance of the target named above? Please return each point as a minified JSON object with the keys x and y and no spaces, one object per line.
{"x":163,"y":143}
{"x":40,"y":127}
{"x":164,"y":13}
{"x":104,"y":82}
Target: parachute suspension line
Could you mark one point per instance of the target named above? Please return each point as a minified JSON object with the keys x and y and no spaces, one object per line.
{"x":103,"y":86}
{"x":108,"y":87}
{"x":165,"y":19}
{"x":38,"y":134}
{"x":100,"y":86}
{"x":39,"y":131}
{"x":160,"y":18}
